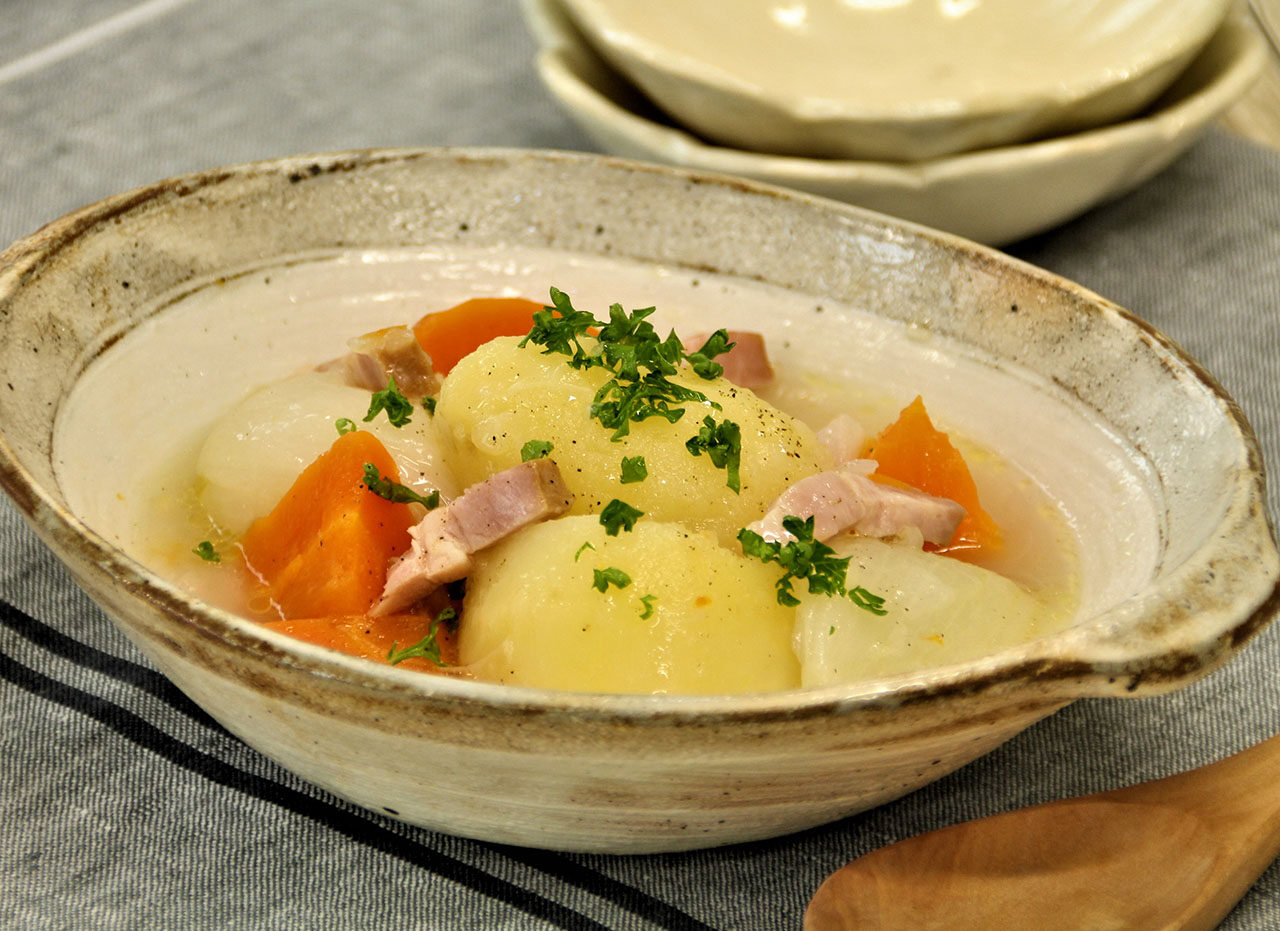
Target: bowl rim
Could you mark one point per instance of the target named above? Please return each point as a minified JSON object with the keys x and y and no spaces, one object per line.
{"x":597,"y":19}
{"x":1063,"y":679}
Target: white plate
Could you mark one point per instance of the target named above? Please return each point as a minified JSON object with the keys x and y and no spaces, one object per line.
{"x":896,"y":80}
{"x":995,"y":196}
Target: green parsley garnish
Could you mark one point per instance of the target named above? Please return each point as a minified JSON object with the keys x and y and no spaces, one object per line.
{"x":204,"y":549}
{"x":582,"y":549}
{"x":394,"y":491}
{"x":702,"y":360}
{"x":630,"y":349}
{"x":866,"y":600}
{"x":535,"y":449}
{"x":603,"y":578}
{"x":344,"y":425}
{"x":647,"y":601}
{"x":427,"y":647}
{"x":722,"y":442}
{"x":618,"y":515}
{"x":429,"y":404}
{"x":620,"y":402}
{"x":559,"y":328}
{"x":633,"y":470}
{"x":806,"y":558}
{"x":389,"y":399}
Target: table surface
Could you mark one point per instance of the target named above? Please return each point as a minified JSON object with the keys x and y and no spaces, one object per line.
{"x":125,"y":807}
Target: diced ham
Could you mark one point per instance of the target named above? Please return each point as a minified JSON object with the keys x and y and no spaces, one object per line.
{"x":843,"y":437}
{"x":444,"y":541}
{"x":746,"y":364}
{"x":846,"y":499}
{"x":393,"y":352}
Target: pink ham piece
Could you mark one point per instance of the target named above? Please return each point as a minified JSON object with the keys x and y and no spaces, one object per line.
{"x":746,"y":364}
{"x":384,"y":354}
{"x":444,"y":541}
{"x":845,"y":499}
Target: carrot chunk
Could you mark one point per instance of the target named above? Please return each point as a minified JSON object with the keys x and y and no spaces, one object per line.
{"x":448,"y":335}
{"x":323,"y":550}
{"x":372,"y":638}
{"x":913,"y":451}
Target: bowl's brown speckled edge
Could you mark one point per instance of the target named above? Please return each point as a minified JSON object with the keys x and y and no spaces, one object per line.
{"x":629,"y":773}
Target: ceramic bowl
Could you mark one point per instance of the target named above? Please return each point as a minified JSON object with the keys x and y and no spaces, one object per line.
{"x":1156,"y":467}
{"x":995,"y":196}
{"x":896,"y":80}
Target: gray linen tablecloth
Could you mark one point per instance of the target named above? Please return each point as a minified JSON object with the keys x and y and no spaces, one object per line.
{"x":123,"y":806}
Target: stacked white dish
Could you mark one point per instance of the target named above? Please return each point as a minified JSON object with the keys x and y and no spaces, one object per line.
{"x":993,"y":119}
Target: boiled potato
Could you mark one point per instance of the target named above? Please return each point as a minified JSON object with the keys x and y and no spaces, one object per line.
{"x":695,"y":618}
{"x":256,"y":450}
{"x":940,"y":611}
{"x":501,"y":396}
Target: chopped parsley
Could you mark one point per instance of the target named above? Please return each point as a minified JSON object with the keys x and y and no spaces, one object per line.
{"x":867,"y":601}
{"x":429,"y":404}
{"x":204,"y":549}
{"x":559,"y":328}
{"x":647,"y":601}
{"x":808,"y":559}
{"x":630,"y":349}
{"x":633,"y":470}
{"x":344,"y":425}
{"x":535,"y":449}
{"x":426,"y":648}
{"x":394,"y":491}
{"x":603,"y":578}
{"x":582,"y":549}
{"x":618,"y":403}
{"x":703,"y":360}
{"x":618,"y":515}
{"x":722,"y":442}
{"x":389,"y":399}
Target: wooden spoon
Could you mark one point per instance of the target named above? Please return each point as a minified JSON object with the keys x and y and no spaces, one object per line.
{"x":1174,"y":853}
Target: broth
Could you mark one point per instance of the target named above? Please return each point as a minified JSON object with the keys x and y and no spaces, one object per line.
{"x":217,"y":341}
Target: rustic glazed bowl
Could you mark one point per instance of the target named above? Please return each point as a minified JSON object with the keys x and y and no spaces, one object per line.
{"x":1038,"y":184}
{"x":896,"y":80}
{"x":1154,"y":464}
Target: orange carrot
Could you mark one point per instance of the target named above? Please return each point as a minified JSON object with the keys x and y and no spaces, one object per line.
{"x":912,"y":450}
{"x":448,"y":335}
{"x":373,"y":637}
{"x":324,"y":549}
